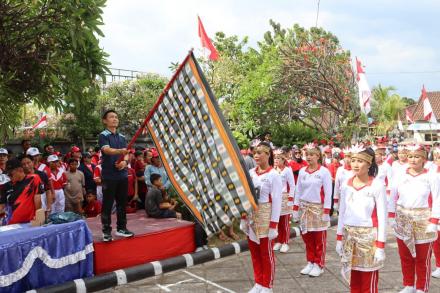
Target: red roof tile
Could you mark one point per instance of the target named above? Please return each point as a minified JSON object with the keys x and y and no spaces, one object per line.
{"x":417,"y":109}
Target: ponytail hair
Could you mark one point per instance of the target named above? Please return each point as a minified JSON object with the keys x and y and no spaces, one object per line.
{"x":374,"y":169}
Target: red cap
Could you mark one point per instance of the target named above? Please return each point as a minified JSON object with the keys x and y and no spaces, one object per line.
{"x":154,"y":153}
{"x":75,"y":149}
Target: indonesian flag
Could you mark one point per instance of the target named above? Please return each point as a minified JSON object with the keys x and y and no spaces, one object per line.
{"x":41,"y":123}
{"x":428,"y":115}
{"x":206,"y":41}
{"x":399,"y":123}
{"x":364,"y":89}
{"x":409,"y":116}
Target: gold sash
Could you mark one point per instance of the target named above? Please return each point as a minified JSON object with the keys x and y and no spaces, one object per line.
{"x":261,"y":220}
{"x":358,"y":251}
{"x":311,"y":217}
{"x":411,"y":226}
{"x":285,"y":208}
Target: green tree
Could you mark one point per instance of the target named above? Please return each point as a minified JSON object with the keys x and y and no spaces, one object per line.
{"x":132,"y":100}
{"x":49,"y":55}
{"x":386,"y":106}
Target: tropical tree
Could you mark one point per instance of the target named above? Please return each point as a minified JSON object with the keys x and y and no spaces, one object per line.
{"x":49,"y":55}
{"x":386,"y":106}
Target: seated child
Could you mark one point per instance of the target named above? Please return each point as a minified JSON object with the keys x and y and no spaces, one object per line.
{"x":157,"y":204}
{"x":93,"y":206}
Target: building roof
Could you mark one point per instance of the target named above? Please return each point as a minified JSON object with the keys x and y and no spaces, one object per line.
{"x":417,"y":109}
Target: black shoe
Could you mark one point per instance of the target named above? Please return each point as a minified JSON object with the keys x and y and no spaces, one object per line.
{"x":107,"y":237}
{"x":124,"y":233}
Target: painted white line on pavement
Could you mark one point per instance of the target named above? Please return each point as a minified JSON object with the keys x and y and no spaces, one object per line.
{"x":80,"y":286}
{"x":157,"y":268}
{"x":236,"y":247}
{"x":121,"y":277}
{"x":166,"y":288}
{"x":209,"y":282}
{"x":189,"y":259}
{"x":216,"y":252}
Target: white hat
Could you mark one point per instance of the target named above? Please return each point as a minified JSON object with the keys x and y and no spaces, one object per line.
{"x":33,"y":152}
{"x":52,"y":158}
{"x":3,"y":151}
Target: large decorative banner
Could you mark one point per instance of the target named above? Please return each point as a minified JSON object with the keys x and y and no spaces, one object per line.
{"x":198,"y":151}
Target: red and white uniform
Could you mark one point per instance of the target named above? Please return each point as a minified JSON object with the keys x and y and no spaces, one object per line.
{"x":436,"y":246}
{"x":397,"y":169}
{"x":59,"y":181}
{"x":288,"y":183}
{"x":316,"y":188}
{"x":269,"y":188}
{"x":416,"y":193}
{"x":342,"y":174}
{"x":43,"y":168}
{"x":364,"y":207}
{"x":96,"y":175}
{"x":384,"y":173}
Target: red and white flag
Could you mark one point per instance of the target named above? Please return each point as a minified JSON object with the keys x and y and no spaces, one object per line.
{"x":41,"y":123}
{"x":409,"y":116}
{"x":428,"y":114}
{"x":206,"y":41}
{"x":364,"y":89}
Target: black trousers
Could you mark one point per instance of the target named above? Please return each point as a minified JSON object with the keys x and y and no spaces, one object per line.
{"x":114,"y":190}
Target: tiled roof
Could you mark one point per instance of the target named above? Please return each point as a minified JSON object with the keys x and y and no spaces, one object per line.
{"x":417,"y":109}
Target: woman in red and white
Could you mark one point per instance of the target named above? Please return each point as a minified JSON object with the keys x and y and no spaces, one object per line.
{"x":400,"y":166}
{"x":59,"y":181}
{"x":362,"y":223}
{"x":342,"y":174}
{"x":313,"y":198}
{"x":261,"y":226}
{"x":384,"y":167}
{"x":414,"y":211}
{"x":435,"y":168}
{"x":282,"y":167}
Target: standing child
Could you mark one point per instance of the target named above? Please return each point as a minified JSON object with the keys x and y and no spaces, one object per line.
{"x":75,"y":188}
{"x":59,"y":181}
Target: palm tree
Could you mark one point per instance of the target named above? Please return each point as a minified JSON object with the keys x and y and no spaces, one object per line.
{"x":386,"y":106}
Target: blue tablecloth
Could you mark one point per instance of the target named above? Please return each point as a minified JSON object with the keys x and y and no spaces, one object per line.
{"x":35,"y":257}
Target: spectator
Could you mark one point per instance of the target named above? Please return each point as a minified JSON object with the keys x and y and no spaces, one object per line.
{"x":35,"y":154}
{"x":25,"y":145}
{"x":20,"y":197}
{"x":95,"y":155}
{"x":249,"y":159}
{"x":47,"y":195}
{"x":59,"y":181}
{"x":156,"y":168}
{"x":3,"y":159}
{"x":156,"y":206}
{"x":75,"y":188}
{"x":75,"y":153}
{"x":98,"y":181}
{"x":93,"y":206}
{"x":139,"y":168}
{"x":48,"y":150}
{"x":132,"y":185}
{"x":88,"y":169}
{"x":297,"y":163}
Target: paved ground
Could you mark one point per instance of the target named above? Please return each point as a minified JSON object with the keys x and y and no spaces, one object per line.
{"x":234,"y":274}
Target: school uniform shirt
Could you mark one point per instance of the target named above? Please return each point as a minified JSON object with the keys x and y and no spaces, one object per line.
{"x":363,"y":207}
{"x":19,"y":199}
{"x":88,"y":171}
{"x":397,"y":169}
{"x":43,"y":168}
{"x":314,"y":187}
{"x":58,"y":178}
{"x":342,"y":175}
{"x":384,"y":172}
{"x":269,"y":188}
{"x":93,"y":209}
{"x":419,"y":191}
{"x":288,"y":182}
{"x":97,"y":174}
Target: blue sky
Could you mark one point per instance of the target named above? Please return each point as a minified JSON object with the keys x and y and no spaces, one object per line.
{"x":390,"y":37}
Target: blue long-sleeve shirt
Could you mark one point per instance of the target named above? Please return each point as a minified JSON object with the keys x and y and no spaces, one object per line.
{"x":150,"y":169}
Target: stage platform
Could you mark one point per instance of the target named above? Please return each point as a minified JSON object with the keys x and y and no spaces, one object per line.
{"x":155,"y":239}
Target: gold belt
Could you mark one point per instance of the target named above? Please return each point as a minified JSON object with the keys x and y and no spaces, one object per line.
{"x":261,"y":219}
{"x":285,"y":208}
{"x":411,"y":226}
{"x":358,"y":251}
{"x":311,"y":217}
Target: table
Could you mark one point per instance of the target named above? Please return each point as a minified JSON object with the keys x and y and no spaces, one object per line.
{"x":34,"y":257}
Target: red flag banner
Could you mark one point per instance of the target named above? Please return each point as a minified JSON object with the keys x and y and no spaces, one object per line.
{"x":206,"y":41}
{"x":41,"y":123}
{"x":198,"y":150}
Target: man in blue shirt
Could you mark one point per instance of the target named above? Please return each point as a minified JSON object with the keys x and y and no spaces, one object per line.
{"x":114,"y":176}
{"x":156,"y":167}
